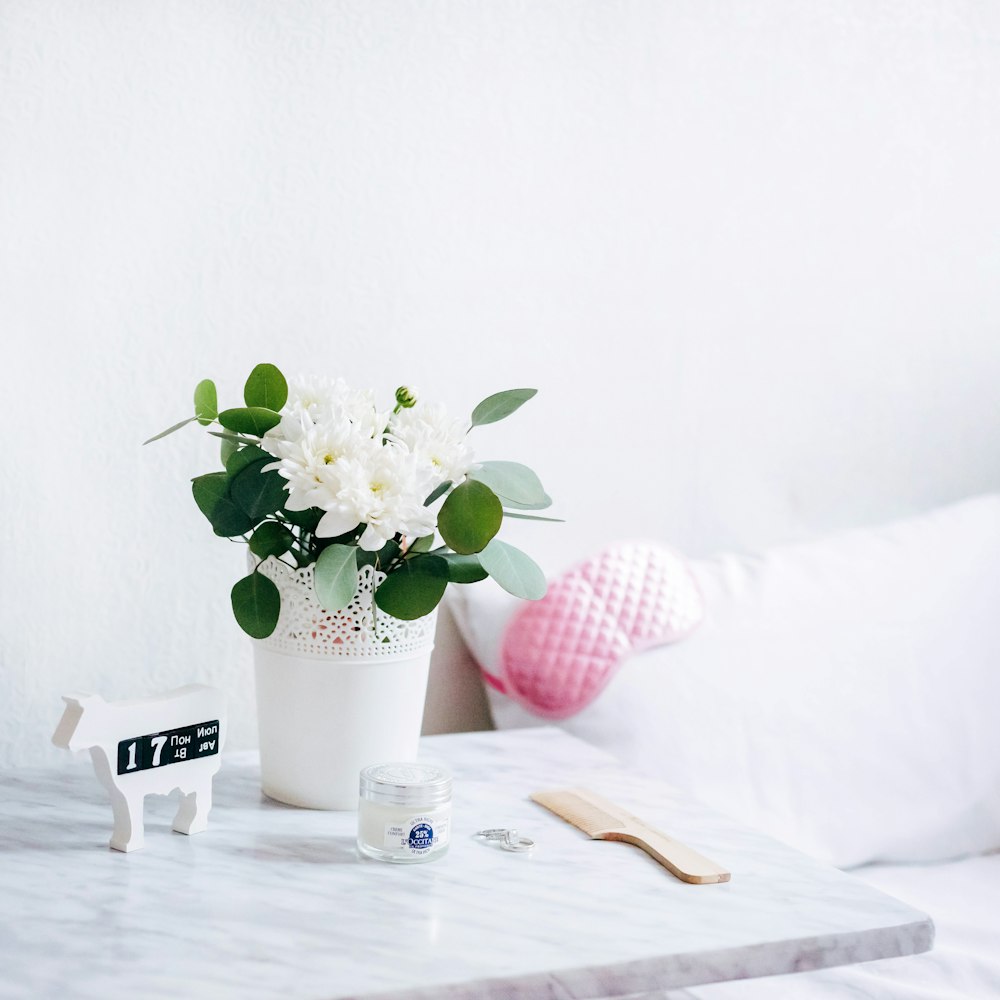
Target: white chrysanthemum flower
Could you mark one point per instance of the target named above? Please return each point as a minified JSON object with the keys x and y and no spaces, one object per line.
{"x":309,"y":394}
{"x":384,"y":490}
{"x":325,"y":401}
{"x":332,"y":448}
{"x":309,"y":458}
{"x":438,"y":440}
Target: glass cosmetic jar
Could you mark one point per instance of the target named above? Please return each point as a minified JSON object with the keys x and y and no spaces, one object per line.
{"x":404,"y":813}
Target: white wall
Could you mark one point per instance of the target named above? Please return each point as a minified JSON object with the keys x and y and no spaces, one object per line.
{"x":747,"y":251}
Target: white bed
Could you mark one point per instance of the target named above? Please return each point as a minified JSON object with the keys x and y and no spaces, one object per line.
{"x":841,"y":696}
{"x":964,"y":899}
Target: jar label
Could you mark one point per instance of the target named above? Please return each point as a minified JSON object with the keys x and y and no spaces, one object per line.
{"x":418,"y":835}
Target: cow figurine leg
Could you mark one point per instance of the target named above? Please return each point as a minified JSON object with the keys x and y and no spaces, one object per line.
{"x":127,"y":807}
{"x":128,"y":834}
{"x":192,"y":814}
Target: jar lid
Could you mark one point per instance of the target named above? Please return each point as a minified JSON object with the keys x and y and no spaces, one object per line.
{"x":406,"y":783}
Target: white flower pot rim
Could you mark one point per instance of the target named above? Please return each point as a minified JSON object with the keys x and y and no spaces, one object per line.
{"x":359,"y":631}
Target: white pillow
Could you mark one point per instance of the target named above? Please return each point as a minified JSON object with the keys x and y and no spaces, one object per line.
{"x":841,"y":695}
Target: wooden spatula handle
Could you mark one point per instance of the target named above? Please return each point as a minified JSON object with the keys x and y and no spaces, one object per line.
{"x":679,"y":859}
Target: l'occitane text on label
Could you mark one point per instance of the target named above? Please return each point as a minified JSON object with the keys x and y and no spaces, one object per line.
{"x":418,"y":834}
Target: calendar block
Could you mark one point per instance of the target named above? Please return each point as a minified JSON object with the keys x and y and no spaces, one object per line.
{"x":150,"y":746}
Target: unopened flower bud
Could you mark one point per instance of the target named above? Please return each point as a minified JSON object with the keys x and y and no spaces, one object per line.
{"x":406,"y":397}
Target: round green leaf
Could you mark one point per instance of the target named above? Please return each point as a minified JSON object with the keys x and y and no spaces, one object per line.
{"x":206,"y":401}
{"x":256,"y":605}
{"x":379,"y":559}
{"x":512,"y":482}
{"x":271,"y":539}
{"x":336,"y":576}
{"x":516,"y":572}
{"x":256,"y":492}
{"x":208,"y":490}
{"x":245,"y":456}
{"x":266,"y":387}
{"x":227,"y":448}
{"x":414,"y":589}
{"x":254,"y":420}
{"x":470,"y":517}
{"x":211,"y":494}
{"x":500,"y":405}
{"x":463,"y":569}
{"x":546,"y":501}
{"x":307,"y":519}
{"x":423,"y":544}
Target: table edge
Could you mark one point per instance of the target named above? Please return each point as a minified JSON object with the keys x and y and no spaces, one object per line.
{"x":653,"y":975}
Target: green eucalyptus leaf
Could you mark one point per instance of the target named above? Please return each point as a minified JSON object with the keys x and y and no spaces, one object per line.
{"x":247,"y":455}
{"x":256,"y":492}
{"x":256,"y":420}
{"x":515,"y":571}
{"x":463,"y":569}
{"x":234,"y":438}
{"x":208,"y":490}
{"x":227,"y":448}
{"x":306,"y":519}
{"x":423,"y":544}
{"x":438,"y":491}
{"x":500,"y":405}
{"x":379,"y":559}
{"x":170,"y":430}
{"x":266,"y":387}
{"x":546,"y":501}
{"x":256,"y":605}
{"x":206,"y":401}
{"x":532,"y":517}
{"x":271,"y":539}
{"x":211,"y":494}
{"x":336,"y":576}
{"x":386,"y":554}
{"x":414,"y":589}
{"x":470,"y":517}
{"x":511,"y":481}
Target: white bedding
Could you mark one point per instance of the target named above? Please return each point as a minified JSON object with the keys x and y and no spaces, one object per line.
{"x":963,"y":897}
{"x":831,"y":668}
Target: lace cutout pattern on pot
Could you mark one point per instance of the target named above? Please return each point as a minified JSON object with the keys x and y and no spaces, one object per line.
{"x":360,"y":629}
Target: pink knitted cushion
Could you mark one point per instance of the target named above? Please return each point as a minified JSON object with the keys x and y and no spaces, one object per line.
{"x":559,"y":653}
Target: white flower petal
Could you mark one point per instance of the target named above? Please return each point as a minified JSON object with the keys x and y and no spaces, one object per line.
{"x":371,"y":540}
{"x":337,"y":521}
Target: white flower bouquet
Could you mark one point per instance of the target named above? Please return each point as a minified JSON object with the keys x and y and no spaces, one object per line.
{"x":315,"y":472}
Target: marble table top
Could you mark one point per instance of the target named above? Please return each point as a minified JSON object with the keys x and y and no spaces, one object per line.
{"x":273,"y":901}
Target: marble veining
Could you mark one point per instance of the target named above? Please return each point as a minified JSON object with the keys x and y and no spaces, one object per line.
{"x":275,"y":901}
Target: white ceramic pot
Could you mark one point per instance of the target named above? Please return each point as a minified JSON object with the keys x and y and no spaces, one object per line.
{"x":336,"y":691}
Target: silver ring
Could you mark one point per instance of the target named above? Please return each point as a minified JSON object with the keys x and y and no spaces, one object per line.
{"x":495,"y":834}
{"x":512,"y":842}
{"x":509,"y":840}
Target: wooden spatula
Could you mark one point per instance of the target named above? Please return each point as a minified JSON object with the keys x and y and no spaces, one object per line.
{"x":603,"y":820}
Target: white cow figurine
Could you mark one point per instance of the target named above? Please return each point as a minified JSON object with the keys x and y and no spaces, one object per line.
{"x":150,"y":746}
